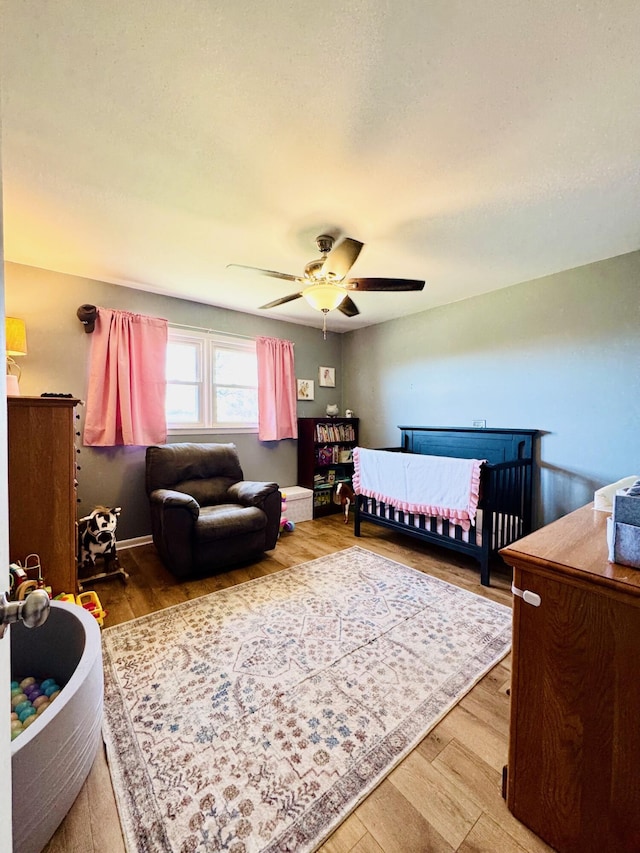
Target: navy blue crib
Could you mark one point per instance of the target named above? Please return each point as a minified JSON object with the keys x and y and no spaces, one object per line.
{"x":507,"y":480}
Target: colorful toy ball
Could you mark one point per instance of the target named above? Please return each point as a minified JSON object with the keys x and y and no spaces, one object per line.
{"x":28,"y":712}
{"x":27,"y":706}
{"x":289,"y":526}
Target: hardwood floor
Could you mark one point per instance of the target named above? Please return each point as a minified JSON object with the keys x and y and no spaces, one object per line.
{"x":445,"y":796}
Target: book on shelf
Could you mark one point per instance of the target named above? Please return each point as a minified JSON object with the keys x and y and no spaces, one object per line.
{"x":333,"y":454}
{"x":324,"y":455}
{"x":322,"y":498}
{"x":335,"y":432}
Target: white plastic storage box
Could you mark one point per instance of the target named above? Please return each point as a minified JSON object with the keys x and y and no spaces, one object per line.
{"x":299,"y":503}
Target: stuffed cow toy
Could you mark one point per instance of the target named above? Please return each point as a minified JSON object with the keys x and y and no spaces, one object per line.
{"x":97,"y":537}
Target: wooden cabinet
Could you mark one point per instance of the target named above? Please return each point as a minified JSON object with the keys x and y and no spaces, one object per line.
{"x":42,"y":486}
{"x":325,"y":458}
{"x":574,"y":743}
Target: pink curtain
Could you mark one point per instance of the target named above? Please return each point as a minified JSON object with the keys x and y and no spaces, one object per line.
{"x":127,"y":381}
{"x":276,"y":390}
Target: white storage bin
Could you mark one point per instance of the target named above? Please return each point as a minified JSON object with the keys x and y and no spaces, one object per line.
{"x":299,"y":503}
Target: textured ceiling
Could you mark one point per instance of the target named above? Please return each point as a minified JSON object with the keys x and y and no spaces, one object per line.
{"x":475,"y":145}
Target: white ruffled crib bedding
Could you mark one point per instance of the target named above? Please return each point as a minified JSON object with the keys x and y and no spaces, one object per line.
{"x":428,"y":485}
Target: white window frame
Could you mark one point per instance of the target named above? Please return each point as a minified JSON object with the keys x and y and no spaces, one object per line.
{"x":207,"y":343}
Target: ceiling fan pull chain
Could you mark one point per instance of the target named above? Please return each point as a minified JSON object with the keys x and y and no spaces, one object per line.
{"x":324,"y":323}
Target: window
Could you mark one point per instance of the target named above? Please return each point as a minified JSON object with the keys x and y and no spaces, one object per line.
{"x":212,"y":383}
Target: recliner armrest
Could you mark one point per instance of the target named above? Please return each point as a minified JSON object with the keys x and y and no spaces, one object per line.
{"x":251,"y":492}
{"x":170,"y":499}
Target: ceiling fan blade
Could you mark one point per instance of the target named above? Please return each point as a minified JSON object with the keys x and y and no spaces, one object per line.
{"x":348,"y":307}
{"x":271,"y":273}
{"x":340,"y":260}
{"x":391,"y":284}
{"x":282,"y":300}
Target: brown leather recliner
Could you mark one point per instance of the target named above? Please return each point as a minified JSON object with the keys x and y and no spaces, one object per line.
{"x":205,"y":516}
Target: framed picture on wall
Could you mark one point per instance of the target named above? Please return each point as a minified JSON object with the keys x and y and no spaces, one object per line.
{"x":305,"y":389}
{"x":327,"y":377}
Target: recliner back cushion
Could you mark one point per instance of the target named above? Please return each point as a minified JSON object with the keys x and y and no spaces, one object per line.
{"x":209,"y":491}
{"x":173,"y":464}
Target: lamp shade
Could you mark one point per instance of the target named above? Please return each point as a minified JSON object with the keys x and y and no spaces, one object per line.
{"x":324,"y":297}
{"x":16,"y":336}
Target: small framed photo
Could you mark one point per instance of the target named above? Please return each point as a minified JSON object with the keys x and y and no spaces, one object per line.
{"x":327,"y":377}
{"x":305,"y":389}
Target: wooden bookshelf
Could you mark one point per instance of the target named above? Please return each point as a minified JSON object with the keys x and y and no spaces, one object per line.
{"x":325,"y":458}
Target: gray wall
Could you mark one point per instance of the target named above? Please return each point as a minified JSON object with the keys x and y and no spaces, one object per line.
{"x":560,"y":354}
{"x":58,"y":359}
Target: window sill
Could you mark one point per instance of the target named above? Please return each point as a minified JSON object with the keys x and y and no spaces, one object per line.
{"x":226,"y":430}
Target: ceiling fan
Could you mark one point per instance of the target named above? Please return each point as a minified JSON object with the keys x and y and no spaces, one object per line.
{"x":323,"y":283}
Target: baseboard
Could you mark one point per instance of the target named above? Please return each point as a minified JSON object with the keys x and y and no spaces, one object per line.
{"x":133,"y":543}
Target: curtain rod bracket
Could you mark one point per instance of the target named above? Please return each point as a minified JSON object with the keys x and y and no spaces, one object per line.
{"x":87,"y":315}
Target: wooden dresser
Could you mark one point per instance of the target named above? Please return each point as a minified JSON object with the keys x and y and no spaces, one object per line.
{"x":42,"y":487}
{"x":574,"y":746}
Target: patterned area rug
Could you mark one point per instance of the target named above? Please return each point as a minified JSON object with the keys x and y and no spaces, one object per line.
{"x":256,"y":718}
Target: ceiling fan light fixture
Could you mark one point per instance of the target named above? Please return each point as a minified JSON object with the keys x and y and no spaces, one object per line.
{"x":324,"y":283}
{"x":324,"y":297}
